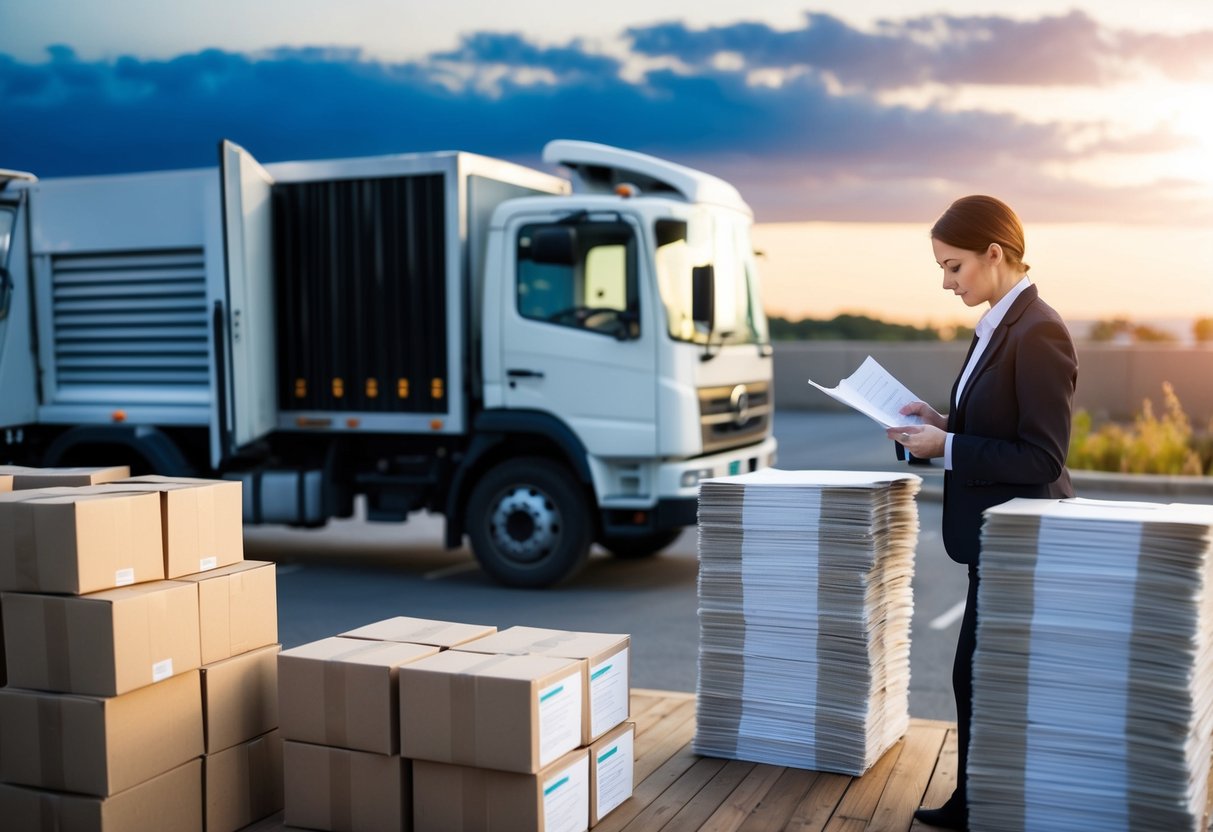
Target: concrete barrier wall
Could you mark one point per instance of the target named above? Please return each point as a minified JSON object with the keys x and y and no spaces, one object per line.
{"x":1112,"y":379}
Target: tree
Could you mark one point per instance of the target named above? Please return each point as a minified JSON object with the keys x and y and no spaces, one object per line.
{"x":1202,"y":330}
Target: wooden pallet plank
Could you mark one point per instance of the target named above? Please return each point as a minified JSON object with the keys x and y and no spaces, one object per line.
{"x":670,"y":802}
{"x":819,"y":804}
{"x":649,"y":789}
{"x":748,"y":794}
{"x":663,"y":741}
{"x":908,"y":782}
{"x":775,"y":809}
{"x":859,"y":802}
{"x":943,"y":779}
{"x":696,"y":812}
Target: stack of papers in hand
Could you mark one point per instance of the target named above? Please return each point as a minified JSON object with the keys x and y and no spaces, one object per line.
{"x":1093,"y":676}
{"x":804,"y":611}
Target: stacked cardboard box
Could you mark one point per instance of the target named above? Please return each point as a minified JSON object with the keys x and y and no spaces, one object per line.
{"x":419,"y":724}
{"x":122,"y":680}
{"x":339,"y":706}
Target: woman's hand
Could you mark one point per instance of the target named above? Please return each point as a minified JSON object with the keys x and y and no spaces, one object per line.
{"x":929,"y":415}
{"x":925,"y":441}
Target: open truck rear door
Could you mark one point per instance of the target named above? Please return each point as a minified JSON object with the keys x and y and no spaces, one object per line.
{"x":245,"y":328}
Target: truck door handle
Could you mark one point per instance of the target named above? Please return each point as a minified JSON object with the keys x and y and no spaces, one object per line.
{"x":524,"y":373}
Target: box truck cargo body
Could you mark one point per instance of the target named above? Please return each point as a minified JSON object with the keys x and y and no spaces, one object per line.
{"x":548,"y":362}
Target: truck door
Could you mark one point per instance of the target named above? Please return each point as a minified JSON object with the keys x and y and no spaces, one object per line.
{"x":247,"y":400}
{"x":18,"y":404}
{"x":578,"y":339}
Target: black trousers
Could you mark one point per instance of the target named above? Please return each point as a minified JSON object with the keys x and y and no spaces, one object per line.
{"x":962,"y":684}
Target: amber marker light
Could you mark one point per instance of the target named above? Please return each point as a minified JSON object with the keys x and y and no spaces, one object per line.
{"x":626,"y":190}
{"x":435,"y":424}
{"x":118,"y":415}
{"x":353,"y":423}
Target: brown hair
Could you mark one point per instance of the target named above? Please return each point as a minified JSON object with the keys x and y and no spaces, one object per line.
{"x":974,"y":222}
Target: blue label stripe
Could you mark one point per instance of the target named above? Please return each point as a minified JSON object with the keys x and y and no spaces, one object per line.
{"x":601,"y":671}
{"x":610,"y":753}
{"x":555,"y":786}
{"x":551,"y":693}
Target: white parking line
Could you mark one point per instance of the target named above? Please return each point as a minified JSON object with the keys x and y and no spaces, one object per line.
{"x":453,"y":569}
{"x":942,"y":622}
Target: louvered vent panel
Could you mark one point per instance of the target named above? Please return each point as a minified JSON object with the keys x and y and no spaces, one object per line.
{"x":130,"y":320}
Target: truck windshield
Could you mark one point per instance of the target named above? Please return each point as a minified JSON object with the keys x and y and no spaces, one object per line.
{"x":722,"y":239}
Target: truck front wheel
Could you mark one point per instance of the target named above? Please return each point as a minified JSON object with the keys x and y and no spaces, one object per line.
{"x":529,"y":523}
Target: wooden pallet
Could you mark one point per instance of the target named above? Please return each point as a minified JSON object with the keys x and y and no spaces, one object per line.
{"x":679,"y":791}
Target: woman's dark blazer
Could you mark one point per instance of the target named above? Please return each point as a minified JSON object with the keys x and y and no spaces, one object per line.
{"x":1012,"y":423}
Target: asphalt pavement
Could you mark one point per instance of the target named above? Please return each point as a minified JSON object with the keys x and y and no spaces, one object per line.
{"x":352,"y":572}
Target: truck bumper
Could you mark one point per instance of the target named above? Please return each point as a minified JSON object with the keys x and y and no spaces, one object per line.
{"x":678,"y":489}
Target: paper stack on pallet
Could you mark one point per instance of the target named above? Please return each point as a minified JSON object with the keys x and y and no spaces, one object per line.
{"x":804,"y":609}
{"x":141,"y":688}
{"x":1093,"y":675}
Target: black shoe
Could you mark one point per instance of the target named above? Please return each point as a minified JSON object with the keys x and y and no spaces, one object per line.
{"x":951,"y":815}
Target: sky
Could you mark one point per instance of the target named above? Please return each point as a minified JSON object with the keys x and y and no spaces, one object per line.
{"x":847,"y":126}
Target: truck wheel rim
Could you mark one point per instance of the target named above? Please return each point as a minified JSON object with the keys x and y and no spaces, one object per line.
{"x":525,"y":524}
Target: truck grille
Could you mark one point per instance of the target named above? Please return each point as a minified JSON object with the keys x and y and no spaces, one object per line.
{"x":734,"y":415}
{"x":129,"y":320}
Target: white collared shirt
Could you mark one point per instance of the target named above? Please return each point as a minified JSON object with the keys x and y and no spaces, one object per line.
{"x":984,"y":329}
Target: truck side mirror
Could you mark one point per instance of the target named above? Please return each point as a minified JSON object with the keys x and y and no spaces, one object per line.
{"x":555,"y":245}
{"x":703,"y":295}
{"x":6,"y":292}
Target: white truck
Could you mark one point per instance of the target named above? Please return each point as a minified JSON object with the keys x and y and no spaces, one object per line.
{"x":547,"y":363}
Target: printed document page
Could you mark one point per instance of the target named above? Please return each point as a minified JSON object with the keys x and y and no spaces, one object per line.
{"x":875,"y":393}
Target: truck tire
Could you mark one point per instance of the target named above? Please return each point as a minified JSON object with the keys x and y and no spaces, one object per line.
{"x":634,"y":547}
{"x":529,"y":523}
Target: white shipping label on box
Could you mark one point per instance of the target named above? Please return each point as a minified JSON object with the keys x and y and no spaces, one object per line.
{"x":566,"y":798}
{"x":559,"y":718}
{"x":206,"y":564}
{"x":124,"y":577}
{"x":609,"y":693}
{"x":161,"y":670}
{"x":616,"y":765}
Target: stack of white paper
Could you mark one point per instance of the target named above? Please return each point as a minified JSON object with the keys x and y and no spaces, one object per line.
{"x":1093,"y":676}
{"x":804,"y":610}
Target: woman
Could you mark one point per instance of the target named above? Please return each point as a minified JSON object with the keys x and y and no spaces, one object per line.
{"x":1008,"y":427}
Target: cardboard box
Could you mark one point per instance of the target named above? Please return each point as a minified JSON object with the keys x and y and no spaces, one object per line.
{"x":242,"y":784}
{"x":344,"y":692}
{"x":23,"y":478}
{"x":514,"y":713}
{"x":556,"y":799}
{"x":6,"y":480}
{"x":170,"y":801}
{"x":606,"y":684}
{"x":201,"y":520}
{"x":99,"y":745}
{"x":240,"y":698}
{"x":238,"y":607}
{"x":102,"y":644}
{"x":78,"y":541}
{"x":344,"y":791}
{"x":612,"y":770}
{"x":441,"y":634}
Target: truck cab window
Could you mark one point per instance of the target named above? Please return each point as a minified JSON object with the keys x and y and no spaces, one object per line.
{"x":582,"y":276}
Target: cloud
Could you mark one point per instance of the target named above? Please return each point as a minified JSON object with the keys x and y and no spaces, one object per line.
{"x":802,"y":148}
{"x":1070,"y":49}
